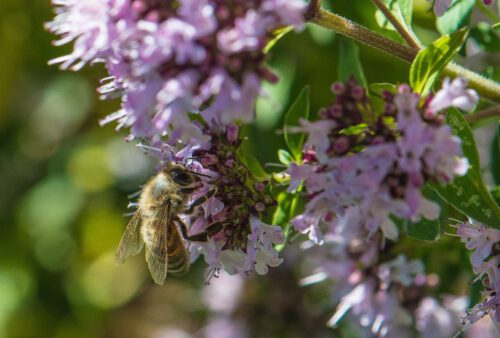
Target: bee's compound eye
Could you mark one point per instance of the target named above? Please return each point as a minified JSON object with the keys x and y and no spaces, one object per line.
{"x":182,"y":177}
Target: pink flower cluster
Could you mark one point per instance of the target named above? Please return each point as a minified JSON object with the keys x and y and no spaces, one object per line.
{"x":241,"y":242}
{"x":378,"y":297}
{"x":485,"y":260}
{"x":363,"y":167}
{"x":170,"y":58}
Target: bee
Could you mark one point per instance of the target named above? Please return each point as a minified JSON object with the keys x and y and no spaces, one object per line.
{"x":156,"y":222}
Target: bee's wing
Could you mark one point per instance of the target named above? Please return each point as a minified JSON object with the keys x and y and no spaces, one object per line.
{"x":131,"y":243}
{"x":157,"y":254}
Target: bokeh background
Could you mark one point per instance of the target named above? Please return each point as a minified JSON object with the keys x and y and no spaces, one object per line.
{"x":65,"y":182}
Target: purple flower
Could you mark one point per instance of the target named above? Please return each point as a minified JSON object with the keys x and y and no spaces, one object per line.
{"x":378,"y":171}
{"x":435,"y":321}
{"x":479,"y":238}
{"x":309,"y":224}
{"x":241,"y":242}
{"x":234,"y":103}
{"x":223,"y":293}
{"x":168,"y":59}
{"x":454,"y":94}
{"x":224,"y":327}
{"x":90,"y":25}
{"x":246,"y":35}
{"x":288,"y":11}
{"x":441,"y":6}
{"x":486,"y":264}
{"x":401,"y":271}
{"x":260,"y":250}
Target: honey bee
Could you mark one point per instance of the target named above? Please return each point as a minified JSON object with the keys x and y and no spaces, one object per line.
{"x":156,"y":222}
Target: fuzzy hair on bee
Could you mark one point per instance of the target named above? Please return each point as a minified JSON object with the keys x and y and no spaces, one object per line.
{"x":155,"y":224}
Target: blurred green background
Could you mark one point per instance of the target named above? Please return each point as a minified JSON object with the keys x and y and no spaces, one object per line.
{"x":64,"y":183}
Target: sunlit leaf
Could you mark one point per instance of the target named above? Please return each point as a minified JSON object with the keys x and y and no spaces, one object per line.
{"x":285,"y":157}
{"x":288,"y":205}
{"x":430,"y":61}
{"x":277,"y":35}
{"x":354,"y":130}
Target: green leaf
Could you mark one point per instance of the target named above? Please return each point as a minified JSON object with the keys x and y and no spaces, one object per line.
{"x":456,"y":17}
{"x":288,"y":204}
{"x":253,"y":165}
{"x":281,"y":215}
{"x":349,"y":63}
{"x":354,"y":130}
{"x":468,"y":194}
{"x":430,"y":61}
{"x":277,"y":35}
{"x":401,"y":9}
{"x":425,"y":230}
{"x":299,"y":109}
{"x":285,"y":157}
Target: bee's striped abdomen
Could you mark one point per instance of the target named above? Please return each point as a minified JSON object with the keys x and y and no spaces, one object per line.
{"x":178,"y":257}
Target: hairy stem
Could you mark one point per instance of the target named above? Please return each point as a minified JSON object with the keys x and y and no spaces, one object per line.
{"x":486,"y":88}
{"x":483,"y":115}
{"x":362,"y":34}
{"x":401,"y":29}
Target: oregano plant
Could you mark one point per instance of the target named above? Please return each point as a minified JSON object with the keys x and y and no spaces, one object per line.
{"x":378,"y":166}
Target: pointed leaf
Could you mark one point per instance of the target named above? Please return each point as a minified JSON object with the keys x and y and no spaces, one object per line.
{"x":402,"y":11}
{"x":430,"y":61}
{"x":277,"y":35}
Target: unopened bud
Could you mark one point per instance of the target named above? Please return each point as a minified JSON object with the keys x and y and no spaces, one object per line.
{"x":232,"y":133}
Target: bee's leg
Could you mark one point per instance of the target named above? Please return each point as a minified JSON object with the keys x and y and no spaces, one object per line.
{"x":200,"y":201}
{"x":189,"y":190}
{"x":211,"y":230}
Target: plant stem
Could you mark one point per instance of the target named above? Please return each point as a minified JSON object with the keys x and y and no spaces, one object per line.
{"x":313,"y":8}
{"x":400,"y":28}
{"x":486,"y":88}
{"x":362,"y":34}
{"x":483,"y":114}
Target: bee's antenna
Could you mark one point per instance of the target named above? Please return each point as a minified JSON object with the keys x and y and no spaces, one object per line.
{"x":196,"y":157}
{"x":199,"y":174}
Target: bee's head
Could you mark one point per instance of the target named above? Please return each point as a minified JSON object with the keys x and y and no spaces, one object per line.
{"x":180,"y":175}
